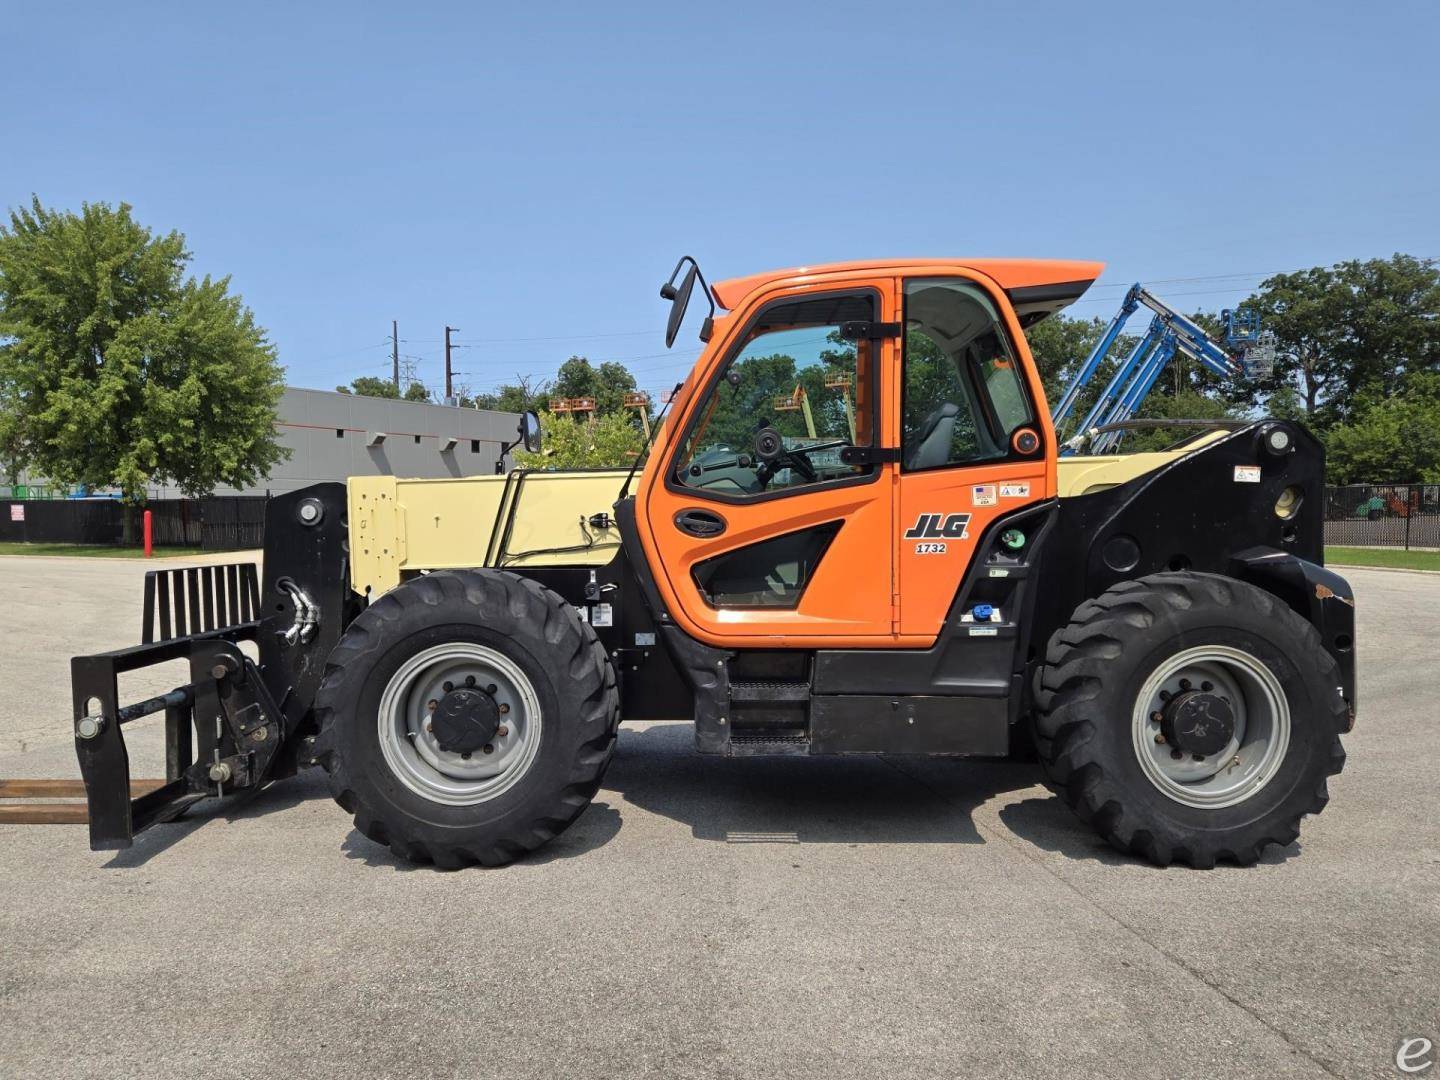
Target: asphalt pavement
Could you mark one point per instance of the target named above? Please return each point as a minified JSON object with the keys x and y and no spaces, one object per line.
{"x":717,"y":918}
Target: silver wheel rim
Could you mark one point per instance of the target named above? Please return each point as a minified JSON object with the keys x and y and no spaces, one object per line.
{"x":412,"y":752}
{"x":1255,"y":751}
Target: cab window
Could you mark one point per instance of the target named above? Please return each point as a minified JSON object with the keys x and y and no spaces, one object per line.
{"x":793,"y":394}
{"x":963,"y":396}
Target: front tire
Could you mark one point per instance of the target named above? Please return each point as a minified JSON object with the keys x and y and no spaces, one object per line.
{"x":466,"y":716}
{"x":1190,"y":717}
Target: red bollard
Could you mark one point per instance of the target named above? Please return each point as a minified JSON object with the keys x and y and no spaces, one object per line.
{"x":149,"y":533}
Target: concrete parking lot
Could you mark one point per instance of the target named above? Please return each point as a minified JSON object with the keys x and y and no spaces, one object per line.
{"x":786,"y":917}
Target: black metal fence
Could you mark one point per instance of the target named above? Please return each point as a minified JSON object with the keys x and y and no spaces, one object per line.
{"x":218,"y":523}
{"x":1383,"y":515}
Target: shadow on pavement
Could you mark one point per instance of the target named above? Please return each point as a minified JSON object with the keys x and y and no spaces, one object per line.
{"x":281,"y":795}
{"x":596,"y":827}
{"x":855,"y":800}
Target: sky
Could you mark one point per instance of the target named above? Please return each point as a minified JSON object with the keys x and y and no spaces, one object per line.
{"x":529,"y":173}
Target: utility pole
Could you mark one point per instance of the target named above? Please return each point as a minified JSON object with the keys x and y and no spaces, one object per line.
{"x":448,"y":380}
{"x":395,"y":354}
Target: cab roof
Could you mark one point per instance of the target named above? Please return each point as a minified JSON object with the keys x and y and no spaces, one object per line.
{"x":1037,"y":287}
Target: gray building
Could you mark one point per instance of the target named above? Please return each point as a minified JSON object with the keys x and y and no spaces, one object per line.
{"x":331,"y":436}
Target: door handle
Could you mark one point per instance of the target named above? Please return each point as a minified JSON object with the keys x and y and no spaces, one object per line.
{"x":701,"y":523}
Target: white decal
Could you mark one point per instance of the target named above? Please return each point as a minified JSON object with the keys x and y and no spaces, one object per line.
{"x":982,"y":495}
{"x":1014,"y":491}
{"x":602,"y":615}
{"x":17,"y":511}
{"x":999,"y":571}
{"x":1247,"y":474}
{"x":983,"y":631}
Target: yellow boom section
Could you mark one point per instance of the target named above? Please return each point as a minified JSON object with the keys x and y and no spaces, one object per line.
{"x":398,"y":527}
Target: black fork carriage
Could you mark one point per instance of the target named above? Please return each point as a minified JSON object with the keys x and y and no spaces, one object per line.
{"x":244,"y":717}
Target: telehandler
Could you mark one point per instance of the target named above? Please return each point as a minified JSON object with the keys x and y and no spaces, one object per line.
{"x":898,"y":562}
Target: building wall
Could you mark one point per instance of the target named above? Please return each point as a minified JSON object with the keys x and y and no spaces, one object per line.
{"x":330,"y":435}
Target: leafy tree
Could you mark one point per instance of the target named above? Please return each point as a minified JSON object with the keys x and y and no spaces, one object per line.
{"x":1351,"y":331}
{"x":1391,"y":440}
{"x":416,"y":391}
{"x":567,"y":443}
{"x":118,"y":370}
{"x":518,"y":396}
{"x":371,"y":386}
{"x":607,"y":384}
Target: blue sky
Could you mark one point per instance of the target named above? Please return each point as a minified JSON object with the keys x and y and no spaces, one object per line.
{"x":532,"y":171}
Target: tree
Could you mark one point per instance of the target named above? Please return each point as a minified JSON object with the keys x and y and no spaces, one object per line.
{"x":118,"y":370}
{"x":602,"y":442}
{"x":608,"y":384}
{"x":371,"y":386}
{"x":416,"y":391}
{"x":521,"y":395}
{"x":1352,"y":331}
{"x":1391,"y":440}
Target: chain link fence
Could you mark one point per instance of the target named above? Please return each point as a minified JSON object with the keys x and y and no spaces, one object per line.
{"x":1383,"y":515}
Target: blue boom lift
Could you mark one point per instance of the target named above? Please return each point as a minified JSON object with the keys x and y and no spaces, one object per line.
{"x":1246,"y":351}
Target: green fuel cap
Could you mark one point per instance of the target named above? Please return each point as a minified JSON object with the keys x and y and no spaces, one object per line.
{"x":1013,"y":539}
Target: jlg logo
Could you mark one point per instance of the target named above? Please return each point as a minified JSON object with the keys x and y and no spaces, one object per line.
{"x":939,"y":527}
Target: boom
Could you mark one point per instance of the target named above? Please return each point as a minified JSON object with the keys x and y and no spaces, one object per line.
{"x":1246,"y":351}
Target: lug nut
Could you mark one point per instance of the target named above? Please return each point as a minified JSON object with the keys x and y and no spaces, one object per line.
{"x":466,"y":755}
{"x":1184,"y":684}
{"x":449,"y":686}
{"x":502,"y":731}
{"x":489,"y":748}
{"x":504,"y":709}
{"x":1198,"y":757}
{"x":1160,"y":739}
{"x":469,"y":680}
{"x":490,"y":689}
{"x":1207,"y":686}
{"x":1156,"y":716}
{"x":432,"y":704}
{"x":428,"y":728}
{"x":1176,"y":754}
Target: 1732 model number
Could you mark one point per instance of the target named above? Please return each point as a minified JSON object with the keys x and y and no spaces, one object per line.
{"x":929,"y":549}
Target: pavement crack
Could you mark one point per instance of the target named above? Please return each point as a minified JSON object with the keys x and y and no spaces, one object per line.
{"x":1175,"y":960}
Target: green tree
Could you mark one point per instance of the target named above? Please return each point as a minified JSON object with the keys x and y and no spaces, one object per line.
{"x":416,"y":391}
{"x":1391,"y":440}
{"x":1353,"y":331}
{"x":118,"y":370}
{"x":371,"y":386}
{"x":517,"y":397}
{"x":602,"y":442}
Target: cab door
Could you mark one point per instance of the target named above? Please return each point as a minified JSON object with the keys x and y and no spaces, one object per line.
{"x":973,"y":438}
{"x":769,"y":521}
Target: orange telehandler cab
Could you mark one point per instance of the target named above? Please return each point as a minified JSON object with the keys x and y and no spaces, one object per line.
{"x":893,"y":561}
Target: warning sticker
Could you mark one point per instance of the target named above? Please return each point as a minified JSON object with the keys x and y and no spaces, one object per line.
{"x":982,"y":495}
{"x":602,"y":615}
{"x":17,"y":511}
{"x":1247,"y":474}
{"x":1014,"y":491}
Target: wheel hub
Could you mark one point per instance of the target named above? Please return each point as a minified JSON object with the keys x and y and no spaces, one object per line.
{"x":464,"y":720}
{"x":1195,"y":722}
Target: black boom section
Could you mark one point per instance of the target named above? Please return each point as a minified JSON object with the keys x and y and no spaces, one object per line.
{"x":1249,"y":505}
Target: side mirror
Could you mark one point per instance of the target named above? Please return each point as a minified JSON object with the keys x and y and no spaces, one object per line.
{"x":529,"y":432}
{"x":679,"y":301}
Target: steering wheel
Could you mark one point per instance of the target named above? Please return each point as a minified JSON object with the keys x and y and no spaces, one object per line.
{"x":770,"y":448}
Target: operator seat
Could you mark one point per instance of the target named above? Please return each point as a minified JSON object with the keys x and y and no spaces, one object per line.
{"x":933,"y":438}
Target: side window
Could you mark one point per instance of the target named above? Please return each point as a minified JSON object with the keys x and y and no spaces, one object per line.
{"x":963,"y":394}
{"x":792,"y":396}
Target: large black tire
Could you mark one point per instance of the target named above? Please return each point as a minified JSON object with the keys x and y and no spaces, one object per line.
{"x":557,"y":652}
{"x":1086,"y":692}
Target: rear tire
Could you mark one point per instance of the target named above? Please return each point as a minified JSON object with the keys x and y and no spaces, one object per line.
{"x":520,"y":658}
{"x":1261,"y":667}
